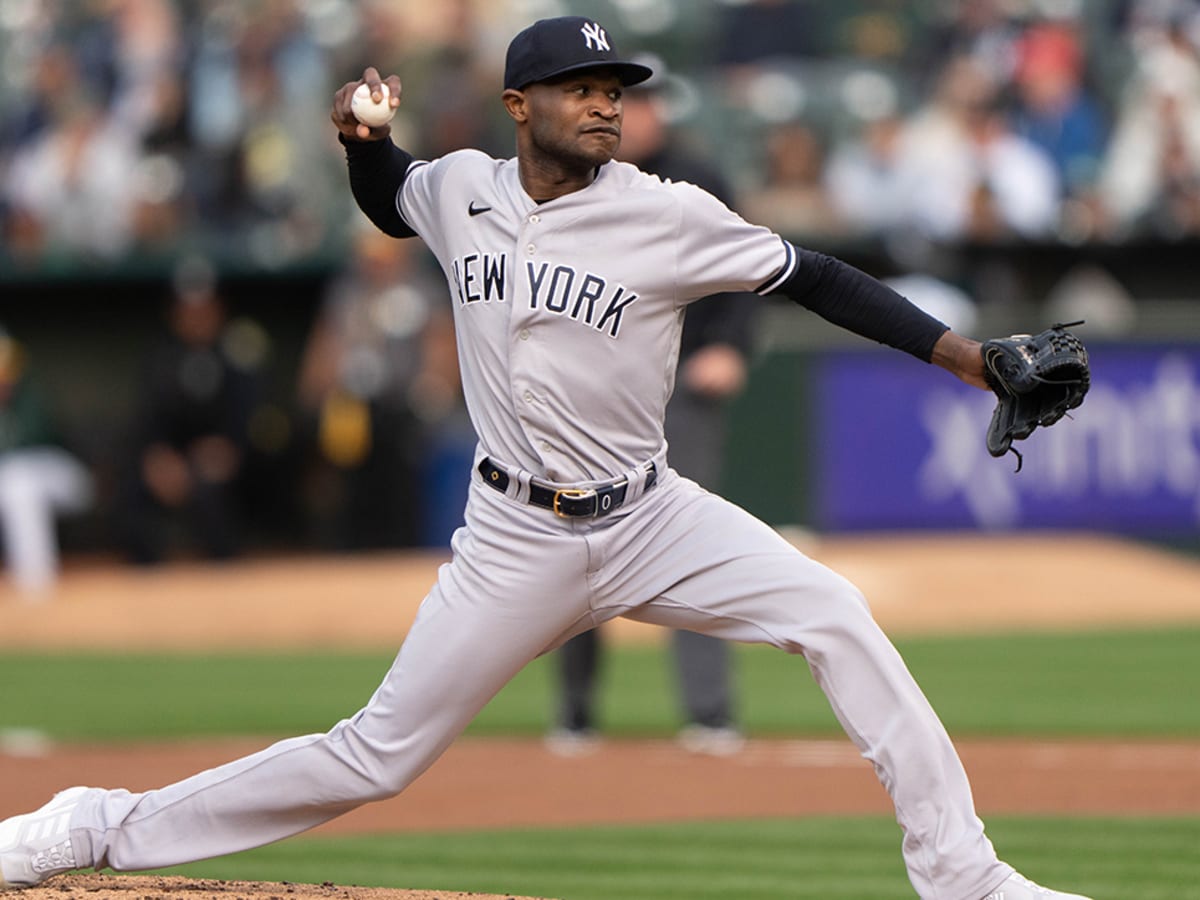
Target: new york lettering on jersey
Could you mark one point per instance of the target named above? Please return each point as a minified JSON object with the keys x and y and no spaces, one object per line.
{"x":480,"y":276}
{"x":562,"y":290}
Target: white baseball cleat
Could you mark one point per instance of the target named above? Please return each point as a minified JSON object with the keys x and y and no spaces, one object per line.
{"x":37,"y":845}
{"x":1018,"y":887}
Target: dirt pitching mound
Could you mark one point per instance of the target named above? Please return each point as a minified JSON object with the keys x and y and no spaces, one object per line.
{"x":153,"y":887}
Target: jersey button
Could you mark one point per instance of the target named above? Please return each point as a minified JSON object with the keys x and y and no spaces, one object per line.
{"x":530,"y":249}
{"x":546,"y":446}
{"x":535,"y":218}
{"x":523,"y":334}
{"x":529,"y":396}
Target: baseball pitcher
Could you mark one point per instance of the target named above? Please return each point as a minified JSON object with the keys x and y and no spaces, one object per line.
{"x":569,"y":275}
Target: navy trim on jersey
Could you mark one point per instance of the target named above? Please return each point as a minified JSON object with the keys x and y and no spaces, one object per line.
{"x":773,"y":283}
{"x":416,"y":164}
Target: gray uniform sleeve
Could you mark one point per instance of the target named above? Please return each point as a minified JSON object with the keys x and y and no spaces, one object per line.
{"x":718,"y":251}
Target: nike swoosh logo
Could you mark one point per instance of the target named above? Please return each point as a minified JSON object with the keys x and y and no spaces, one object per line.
{"x":473,"y":210}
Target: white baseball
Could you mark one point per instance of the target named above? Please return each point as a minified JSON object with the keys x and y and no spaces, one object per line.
{"x":367,"y":110}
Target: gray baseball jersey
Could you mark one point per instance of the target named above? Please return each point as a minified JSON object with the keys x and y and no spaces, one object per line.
{"x":569,"y":312}
{"x":569,"y":316}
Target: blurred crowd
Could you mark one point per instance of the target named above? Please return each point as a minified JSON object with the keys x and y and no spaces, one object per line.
{"x":157,"y":126}
{"x":140,"y":126}
{"x":194,"y":134}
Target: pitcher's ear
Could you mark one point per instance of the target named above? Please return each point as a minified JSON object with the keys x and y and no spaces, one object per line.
{"x":515,"y":103}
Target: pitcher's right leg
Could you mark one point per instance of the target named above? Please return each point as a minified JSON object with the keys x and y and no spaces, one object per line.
{"x":487,"y":616}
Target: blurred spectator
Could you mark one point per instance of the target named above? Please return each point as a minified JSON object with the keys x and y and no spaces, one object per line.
{"x":1150,"y":178}
{"x":863,"y":177}
{"x":71,"y":188}
{"x":793,"y":198}
{"x":1054,"y":108}
{"x":379,"y":372}
{"x":964,"y":174}
{"x":39,"y":479}
{"x":200,"y":385}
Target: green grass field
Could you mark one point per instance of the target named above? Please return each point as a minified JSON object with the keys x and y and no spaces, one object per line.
{"x":826,"y":858}
{"x":1140,"y":683}
{"x":1106,"y":683}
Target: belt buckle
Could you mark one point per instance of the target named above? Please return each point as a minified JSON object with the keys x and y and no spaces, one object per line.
{"x":574,"y":493}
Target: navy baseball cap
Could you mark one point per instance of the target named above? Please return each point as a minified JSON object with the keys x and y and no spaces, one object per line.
{"x":552,"y":47}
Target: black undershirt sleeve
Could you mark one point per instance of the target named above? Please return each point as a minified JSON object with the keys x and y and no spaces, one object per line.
{"x":377,"y":170}
{"x":852,"y":299}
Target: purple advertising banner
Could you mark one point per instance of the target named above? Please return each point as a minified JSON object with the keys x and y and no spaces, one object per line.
{"x":902,"y":446}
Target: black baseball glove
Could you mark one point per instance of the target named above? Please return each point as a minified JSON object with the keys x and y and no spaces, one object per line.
{"x":1037,"y":379}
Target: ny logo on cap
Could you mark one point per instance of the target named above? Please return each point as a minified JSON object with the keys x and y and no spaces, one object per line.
{"x":593,"y":32}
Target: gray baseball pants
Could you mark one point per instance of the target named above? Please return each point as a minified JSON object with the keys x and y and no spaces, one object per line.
{"x":520,"y":583}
